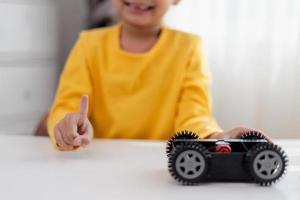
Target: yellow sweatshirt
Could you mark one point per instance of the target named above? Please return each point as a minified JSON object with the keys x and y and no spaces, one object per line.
{"x":137,"y":96}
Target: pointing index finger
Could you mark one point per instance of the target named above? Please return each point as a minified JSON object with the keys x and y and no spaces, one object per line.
{"x":84,"y":106}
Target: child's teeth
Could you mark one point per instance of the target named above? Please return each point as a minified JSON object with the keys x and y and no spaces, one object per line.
{"x":142,"y":7}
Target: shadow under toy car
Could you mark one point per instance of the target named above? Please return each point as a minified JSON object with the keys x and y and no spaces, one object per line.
{"x":248,"y":159}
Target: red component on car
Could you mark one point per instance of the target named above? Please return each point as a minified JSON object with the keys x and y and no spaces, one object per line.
{"x":223,"y":147}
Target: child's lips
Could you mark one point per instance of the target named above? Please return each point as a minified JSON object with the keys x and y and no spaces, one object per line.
{"x":138,"y":7}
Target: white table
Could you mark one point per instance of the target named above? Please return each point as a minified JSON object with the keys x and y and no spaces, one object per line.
{"x":114,"y":169}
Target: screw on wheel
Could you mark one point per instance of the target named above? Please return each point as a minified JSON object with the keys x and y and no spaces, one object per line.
{"x":188,"y":163}
{"x":186,"y":135}
{"x":267,"y":163}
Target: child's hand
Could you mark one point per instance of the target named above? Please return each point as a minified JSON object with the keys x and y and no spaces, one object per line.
{"x":234,"y":133}
{"x":75,"y":130}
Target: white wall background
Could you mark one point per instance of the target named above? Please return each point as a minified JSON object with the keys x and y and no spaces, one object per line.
{"x":28,"y":62}
{"x":253,"y":47}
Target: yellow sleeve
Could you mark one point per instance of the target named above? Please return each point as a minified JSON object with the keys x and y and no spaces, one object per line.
{"x":194,"y":110}
{"x":75,"y":81}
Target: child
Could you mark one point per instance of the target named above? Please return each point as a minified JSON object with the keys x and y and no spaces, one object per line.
{"x":144,"y":81}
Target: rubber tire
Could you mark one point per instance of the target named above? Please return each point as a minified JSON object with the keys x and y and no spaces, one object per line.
{"x":184,"y":147}
{"x":180,"y":135}
{"x":254,"y":151}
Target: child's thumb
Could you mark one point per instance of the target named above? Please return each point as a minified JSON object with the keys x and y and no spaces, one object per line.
{"x":81,"y":141}
{"x":77,"y":142}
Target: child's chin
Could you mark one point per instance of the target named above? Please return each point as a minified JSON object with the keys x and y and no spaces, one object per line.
{"x":139,"y":22}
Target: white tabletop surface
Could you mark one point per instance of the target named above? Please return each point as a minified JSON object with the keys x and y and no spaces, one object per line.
{"x":118,"y":169}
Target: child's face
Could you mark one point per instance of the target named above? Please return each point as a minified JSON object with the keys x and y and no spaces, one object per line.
{"x":143,"y":13}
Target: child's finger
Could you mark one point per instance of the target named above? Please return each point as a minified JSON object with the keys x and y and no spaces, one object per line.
{"x":70,"y":128}
{"x":82,"y":141}
{"x":265,"y":135}
{"x":243,"y":130}
{"x":84,"y":106}
{"x":86,"y":137}
{"x":85,"y":141}
{"x":77,"y":142}
{"x":268,"y":138}
{"x":60,"y":141}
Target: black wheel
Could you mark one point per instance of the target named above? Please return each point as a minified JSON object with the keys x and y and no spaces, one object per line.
{"x":253,"y":135}
{"x":180,"y":135}
{"x":266,"y":163}
{"x":188,"y":164}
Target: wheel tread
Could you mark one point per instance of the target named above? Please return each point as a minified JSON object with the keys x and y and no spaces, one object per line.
{"x":172,"y":160}
{"x":259,"y":148}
